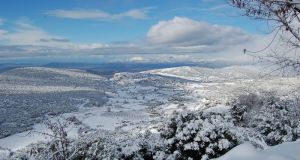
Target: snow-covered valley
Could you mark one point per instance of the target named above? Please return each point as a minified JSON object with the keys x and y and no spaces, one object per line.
{"x":127,"y":103}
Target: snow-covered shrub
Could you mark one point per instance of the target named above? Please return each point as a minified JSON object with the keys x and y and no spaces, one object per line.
{"x":99,"y":145}
{"x":276,"y":118}
{"x":5,"y":153}
{"x":199,"y":135}
{"x":142,"y":146}
{"x":96,"y":146}
{"x":242,"y":105}
{"x":59,"y":147}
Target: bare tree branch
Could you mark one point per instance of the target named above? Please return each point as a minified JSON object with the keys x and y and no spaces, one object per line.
{"x":284,"y":14}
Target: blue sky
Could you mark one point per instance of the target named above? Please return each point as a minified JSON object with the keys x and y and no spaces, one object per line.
{"x":124,"y":29}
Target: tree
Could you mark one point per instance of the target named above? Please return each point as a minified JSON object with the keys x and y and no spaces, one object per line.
{"x":283,"y":15}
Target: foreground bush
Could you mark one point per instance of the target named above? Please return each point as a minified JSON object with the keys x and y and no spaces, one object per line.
{"x":200,"y":135}
{"x":277,"y":119}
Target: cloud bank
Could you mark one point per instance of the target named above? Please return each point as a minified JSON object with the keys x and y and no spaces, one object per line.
{"x":177,"y":36}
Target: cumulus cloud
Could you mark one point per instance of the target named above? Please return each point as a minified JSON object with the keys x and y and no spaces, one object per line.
{"x":98,"y":14}
{"x":185,"y":32}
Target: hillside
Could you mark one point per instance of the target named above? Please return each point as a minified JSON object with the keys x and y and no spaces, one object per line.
{"x":27,"y":95}
{"x":128,"y":104}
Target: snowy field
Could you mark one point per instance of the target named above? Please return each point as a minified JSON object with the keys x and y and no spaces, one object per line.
{"x":127,"y":102}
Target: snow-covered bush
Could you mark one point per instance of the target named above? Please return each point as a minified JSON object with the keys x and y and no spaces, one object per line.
{"x":200,"y":135}
{"x":96,"y":146}
{"x":276,"y":118}
{"x":141,"y":146}
{"x":59,"y":147}
{"x":190,"y":135}
{"x":243,"y":104}
{"x":99,"y":145}
{"x":104,"y":145}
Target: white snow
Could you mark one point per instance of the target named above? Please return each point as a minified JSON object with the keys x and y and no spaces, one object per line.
{"x":137,"y":99}
{"x":21,"y":140}
{"x":246,"y":151}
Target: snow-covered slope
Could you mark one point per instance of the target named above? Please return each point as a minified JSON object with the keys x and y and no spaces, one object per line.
{"x":210,"y":75}
{"x":27,"y":95}
{"x":127,"y":102}
{"x":246,"y":151}
{"x":50,"y":77}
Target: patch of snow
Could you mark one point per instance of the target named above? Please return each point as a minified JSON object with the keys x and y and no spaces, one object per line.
{"x":246,"y":151}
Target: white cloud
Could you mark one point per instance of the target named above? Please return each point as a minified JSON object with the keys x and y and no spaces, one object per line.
{"x":185,"y":32}
{"x":27,"y":34}
{"x":134,"y":13}
{"x":26,"y":40}
{"x":137,"y":59}
{"x":172,"y":40}
{"x":89,"y":46}
{"x":98,"y":14}
{"x":78,"y":14}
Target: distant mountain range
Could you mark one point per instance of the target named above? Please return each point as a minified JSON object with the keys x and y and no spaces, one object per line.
{"x":107,"y":69}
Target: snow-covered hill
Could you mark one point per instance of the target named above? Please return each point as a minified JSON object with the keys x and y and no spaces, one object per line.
{"x":127,"y":102}
{"x":27,"y":95}
{"x":51,"y":77}
{"x":227,"y":74}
